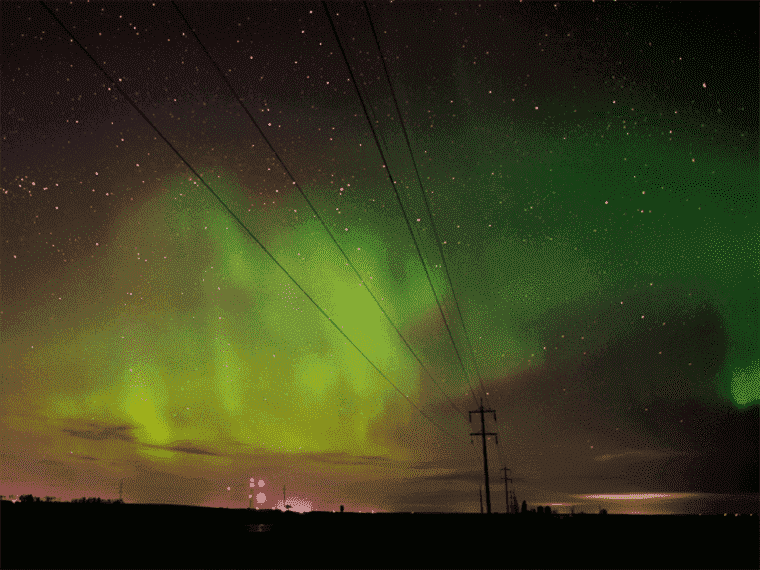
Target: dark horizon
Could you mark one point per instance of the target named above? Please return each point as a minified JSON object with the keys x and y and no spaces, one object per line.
{"x":531,"y":509}
{"x":202,"y":537}
{"x":535,"y":510}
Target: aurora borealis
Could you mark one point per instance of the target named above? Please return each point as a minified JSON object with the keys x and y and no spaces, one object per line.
{"x":592,"y":172}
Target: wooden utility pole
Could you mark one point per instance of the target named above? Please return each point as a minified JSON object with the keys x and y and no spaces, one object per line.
{"x":506,"y":484}
{"x":483,"y":434}
{"x":285,"y":508}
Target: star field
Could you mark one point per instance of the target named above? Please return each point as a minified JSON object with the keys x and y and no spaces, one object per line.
{"x":589,"y":170}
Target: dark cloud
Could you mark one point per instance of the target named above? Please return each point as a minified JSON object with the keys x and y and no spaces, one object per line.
{"x":186,"y":447}
{"x":50,"y":462}
{"x":343,"y":458}
{"x":98,"y":431}
{"x":431,"y":464}
{"x":472,"y":477}
{"x":430,"y":493}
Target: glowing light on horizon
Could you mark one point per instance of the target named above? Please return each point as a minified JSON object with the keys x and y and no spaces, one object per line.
{"x":298,"y":505}
{"x":630,"y":496}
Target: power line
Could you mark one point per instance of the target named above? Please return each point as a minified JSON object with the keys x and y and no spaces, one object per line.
{"x":483,"y":434}
{"x":236,"y":218}
{"x":430,"y":215}
{"x":324,"y":225}
{"x":506,"y":487}
{"x":427,"y":204}
{"x":395,"y":191}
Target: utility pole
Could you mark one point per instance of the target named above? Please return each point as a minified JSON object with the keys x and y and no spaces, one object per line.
{"x":506,"y":484}
{"x":483,"y":433}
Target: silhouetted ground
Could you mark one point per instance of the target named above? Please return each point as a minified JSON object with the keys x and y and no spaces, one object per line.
{"x":64,"y":535}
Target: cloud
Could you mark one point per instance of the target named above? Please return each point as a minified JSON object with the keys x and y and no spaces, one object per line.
{"x":343,"y":458}
{"x":640,"y":496}
{"x":50,"y":462}
{"x":185,"y":447}
{"x":636,"y":453}
{"x":98,"y":432}
{"x":474,"y":477}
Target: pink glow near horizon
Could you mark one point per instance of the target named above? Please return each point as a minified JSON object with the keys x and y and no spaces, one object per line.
{"x":299,"y":505}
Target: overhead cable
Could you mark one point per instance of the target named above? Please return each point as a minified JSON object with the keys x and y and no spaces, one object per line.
{"x":338,"y":328}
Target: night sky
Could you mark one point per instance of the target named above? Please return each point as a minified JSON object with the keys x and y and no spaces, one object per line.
{"x":592,"y":173}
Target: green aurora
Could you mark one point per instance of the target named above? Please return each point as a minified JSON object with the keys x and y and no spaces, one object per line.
{"x":180,"y":347}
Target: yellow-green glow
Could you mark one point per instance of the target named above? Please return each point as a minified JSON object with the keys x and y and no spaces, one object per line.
{"x":143,"y":400}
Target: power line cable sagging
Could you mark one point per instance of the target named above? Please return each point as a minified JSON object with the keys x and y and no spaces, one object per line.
{"x":396,"y":193}
{"x":313,"y":209}
{"x":239,"y":222}
{"x":438,"y":240}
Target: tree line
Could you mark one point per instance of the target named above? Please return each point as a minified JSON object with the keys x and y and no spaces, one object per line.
{"x":547,"y":510}
{"x":48,"y":499}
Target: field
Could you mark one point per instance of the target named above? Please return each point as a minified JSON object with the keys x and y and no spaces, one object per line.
{"x":59,"y":535}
